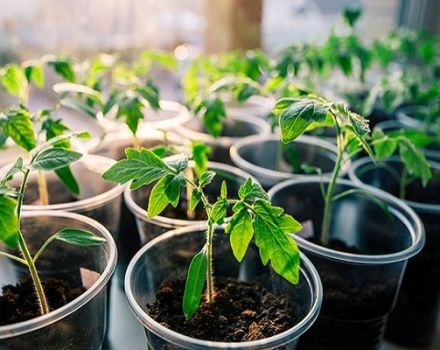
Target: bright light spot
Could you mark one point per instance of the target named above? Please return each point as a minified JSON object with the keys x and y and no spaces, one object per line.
{"x":181,"y":52}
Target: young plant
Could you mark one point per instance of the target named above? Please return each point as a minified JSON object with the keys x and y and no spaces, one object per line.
{"x":45,"y":157}
{"x":298,"y":115}
{"x":253,"y":217}
{"x":406,"y":144}
{"x":26,"y":130}
{"x":209,"y":80}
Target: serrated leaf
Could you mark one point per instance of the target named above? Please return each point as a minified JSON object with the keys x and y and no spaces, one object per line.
{"x":142,"y":167}
{"x":297,"y":114}
{"x":217,"y":213}
{"x":196,"y":196}
{"x":165,"y":191}
{"x":272,"y":230}
{"x":178,"y":162}
{"x":64,"y":68}
{"x":384,"y":146}
{"x":16,"y":167}
{"x":195,"y":283}
{"x":415,"y":161}
{"x":251,"y":191}
{"x":15,"y":82}
{"x":67,"y":178}
{"x":35,"y":73}
{"x":18,"y":126}
{"x":206,"y":178}
{"x":131,"y":109}
{"x":8,"y":221}
{"x":79,"y":237}
{"x":54,"y":158}
{"x":241,"y":232}
{"x":200,"y":153}
{"x":224,"y":190}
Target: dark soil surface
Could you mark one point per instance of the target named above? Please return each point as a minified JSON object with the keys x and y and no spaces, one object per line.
{"x":19,"y":303}
{"x":241,"y":312}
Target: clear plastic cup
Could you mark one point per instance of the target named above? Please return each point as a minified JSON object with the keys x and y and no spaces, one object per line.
{"x":168,"y":257}
{"x":360,"y":289}
{"x":150,"y":228}
{"x":405,"y":115}
{"x":98,"y":199}
{"x":258,"y":156}
{"x":80,"y":324}
{"x":236,"y":126}
{"x":413,"y":321}
{"x":432,"y":151}
{"x":171,"y":114}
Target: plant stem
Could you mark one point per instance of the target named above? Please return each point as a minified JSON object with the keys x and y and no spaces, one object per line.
{"x":136,"y":142}
{"x":42,"y":188}
{"x":42,"y":301}
{"x":402,"y":183}
{"x":209,"y":272}
{"x":190,"y":176}
{"x":279,"y":156}
{"x":325,"y":229}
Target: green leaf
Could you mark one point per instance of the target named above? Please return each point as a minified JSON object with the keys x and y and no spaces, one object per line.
{"x":54,"y":128}
{"x":196,"y":196}
{"x":213,"y":116}
{"x":206,"y":178}
{"x":79,"y":237}
{"x":251,"y":191}
{"x":165,"y":191}
{"x":272,"y":229}
{"x":35,"y":73}
{"x":64,"y":68}
{"x":67,"y":178}
{"x":200,"y":153}
{"x":195,"y":283}
{"x":16,"y":167}
{"x":151,"y":94}
{"x":241,"y":231}
{"x":224,"y":190}
{"x":352,"y":14}
{"x":415,"y":161}
{"x":14,"y":80}
{"x":8,"y":221}
{"x":178,"y":162}
{"x":142,"y":166}
{"x":297,"y":114}
{"x":54,"y":158}
{"x":384,"y":146}
{"x":218,"y":211}
{"x":18,"y":126}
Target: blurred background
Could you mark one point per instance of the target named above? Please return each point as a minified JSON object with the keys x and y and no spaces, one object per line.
{"x":30,"y":28}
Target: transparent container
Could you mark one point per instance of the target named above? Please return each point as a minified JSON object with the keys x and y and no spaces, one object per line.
{"x":413,"y":322}
{"x":168,"y":257}
{"x":113,"y":146}
{"x":258,"y":106}
{"x":80,"y":324}
{"x":406,"y":115}
{"x":98,"y":199}
{"x":236,"y":126}
{"x":432,"y":151}
{"x":258,"y":156}
{"x":360,"y":289}
{"x":171,"y":114}
{"x":137,"y":202}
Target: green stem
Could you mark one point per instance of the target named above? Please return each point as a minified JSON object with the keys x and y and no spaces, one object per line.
{"x":209,"y":272}
{"x":42,"y":301}
{"x":325,"y":230}
{"x":190,"y":176}
{"x":13,"y":257}
{"x":402,"y":183}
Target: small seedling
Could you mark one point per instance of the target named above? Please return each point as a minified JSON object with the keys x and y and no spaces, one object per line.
{"x":45,"y":157}
{"x":253,"y":217}
{"x":298,"y":115}
{"x":27,"y":130}
{"x":406,"y":143}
